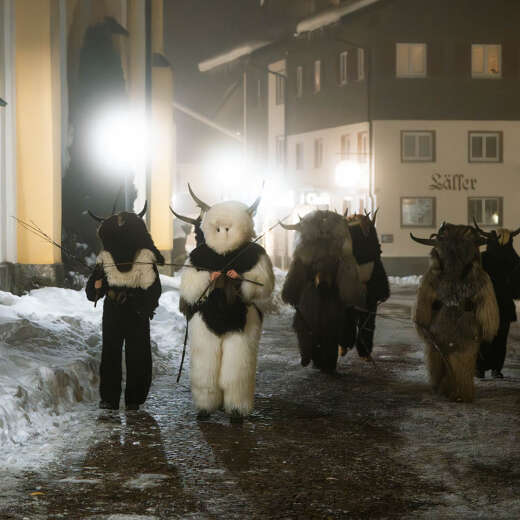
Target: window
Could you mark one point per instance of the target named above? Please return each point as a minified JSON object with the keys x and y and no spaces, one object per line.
{"x":259,"y":92}
{"x":299,"y":81}
{"x":361,"y":64}
{"x":417,"y":146}
{"x":345,"y":147}
{"x":363,"y":147}
{"x":418,"y":212}
{"x":485,"y":146}
{"x":299,"y":156}
{"x":280,"y":88}
{"x":317,"y":76}
{"x":486,"y":61}
{"x":280,"y":150}
{"x":411,"y":60}
{"x":343,"y":74}
{"x":318,"y":152}
{"x":485,"y":210}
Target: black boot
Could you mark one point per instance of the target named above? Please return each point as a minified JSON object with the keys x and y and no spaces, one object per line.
{"x":497,"y":374}
{"x":203,"y":415}
{"x":132,"y":407}
{"x":105,"y":405}
{"x":236,"y":417}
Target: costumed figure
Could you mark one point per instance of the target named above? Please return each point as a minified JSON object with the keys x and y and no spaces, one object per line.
{"x":322,"y":281}
{"x":367,"y":252}
{"x":126,"y":274}
{"x":502,"y":264}
{"x":456,"y":310}
{"x":230,"y":274}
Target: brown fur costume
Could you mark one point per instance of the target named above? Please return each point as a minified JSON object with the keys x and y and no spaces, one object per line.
{"x":456,"y":310}
{"x":323,"y":279}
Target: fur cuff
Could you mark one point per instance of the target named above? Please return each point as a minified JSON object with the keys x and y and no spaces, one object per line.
{"x":193,"y":284}
{"x":262,"y":272}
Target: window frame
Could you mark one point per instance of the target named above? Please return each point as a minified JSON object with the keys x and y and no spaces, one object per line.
{"x":316,"y":82}
{"x":299,"y":156}
{"x":299,"y":81}
{"x":343,"y":67}
{"x":486,"y":133}
{"x":363,"y":149}
{"x":417,"y":159}
{"x":409,"y":74}
{"x":318,"y":145}
{"x":361,"y":75}
{"x":434,"y":212}
{"x":485,"y":74}
{"x":500,"y":210}
{"x":280,"y":150}
{"x":345,"y":146}
{"x":280,"y":88}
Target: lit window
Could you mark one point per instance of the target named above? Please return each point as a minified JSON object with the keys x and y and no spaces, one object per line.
{"x":417,"y":146}
{"x":343,"y":63}
{"x":363,"y":147}
{"x":487,"y":211}
{"x":317,"y":76}
{"x":411,"y":60}
{"x":361,"y":64}
{"x":485,"y":146}
{"x":486,"y":61}
{"x":345,"y":147}
{"x":280,"y":88}
{"x":299,"y":81}
{"x":299,"y":156}
{"x":318,"y":152}
{"x":418,"y":212}
{"x":280,"y":150}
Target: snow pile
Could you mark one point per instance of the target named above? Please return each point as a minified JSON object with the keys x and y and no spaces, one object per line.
{"x":405,"y":281}
{"x":49,"y":343}
{"x":50,"y":346}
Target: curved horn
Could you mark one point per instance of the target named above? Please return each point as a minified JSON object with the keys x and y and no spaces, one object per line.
{"x":143,"y":211}
{"x":202,"y":205}
{"x":95,"y":217}
{"x":252,"y":209}
{"x":514,"y":233}
{"x":188,"y":220}
{"x":374,"y":217}
{"x":481,"y":231}
{"x":291,"y":227}
{"x":424,"y":241}
{"x":345,"y":215}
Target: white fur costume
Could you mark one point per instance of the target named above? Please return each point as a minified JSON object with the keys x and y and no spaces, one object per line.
{"x":223,"y":367}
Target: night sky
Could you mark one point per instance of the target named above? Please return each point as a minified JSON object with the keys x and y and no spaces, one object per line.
{"x":199,"y":29}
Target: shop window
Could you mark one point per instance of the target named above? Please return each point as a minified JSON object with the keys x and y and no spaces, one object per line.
{"x":487,"y":211}
{"x":418,"y":212}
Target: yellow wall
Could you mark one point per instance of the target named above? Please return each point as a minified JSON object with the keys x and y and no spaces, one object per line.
{"x":37,"y":128}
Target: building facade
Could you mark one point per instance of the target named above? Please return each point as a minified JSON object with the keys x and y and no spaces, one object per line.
{"x":408,"y":106}
{"x":40,"y":44}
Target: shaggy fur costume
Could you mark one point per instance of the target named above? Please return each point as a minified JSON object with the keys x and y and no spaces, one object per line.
{"x":360,"y":326}
{"x":323,"y":279}
{"x":130,"y":282}
{"x":456,"y":309}
{"x":502,"y":264}
{"x":224,"y":322}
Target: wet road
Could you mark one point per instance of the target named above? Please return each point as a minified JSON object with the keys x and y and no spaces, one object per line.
{"x":367,"y":442}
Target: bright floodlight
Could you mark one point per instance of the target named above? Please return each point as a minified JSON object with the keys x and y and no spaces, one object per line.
{"x":351,"y":175}
{"x":118,"y":140}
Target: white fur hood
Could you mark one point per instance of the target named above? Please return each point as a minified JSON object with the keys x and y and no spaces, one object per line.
{"x":141,"y":276}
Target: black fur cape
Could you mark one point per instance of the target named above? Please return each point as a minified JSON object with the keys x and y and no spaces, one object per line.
{"x":224,"y":310}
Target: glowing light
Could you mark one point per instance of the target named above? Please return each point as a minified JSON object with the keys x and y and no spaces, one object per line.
{"x":119,"y":140}
{"x":352,"y":175}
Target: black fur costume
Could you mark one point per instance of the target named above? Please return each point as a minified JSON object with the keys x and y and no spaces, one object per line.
{"x":223,"y":310}
{"x":322,"y":281}
{"x":502,"y":264}
{"x":360,"y":326}
{"x":130,"y":282}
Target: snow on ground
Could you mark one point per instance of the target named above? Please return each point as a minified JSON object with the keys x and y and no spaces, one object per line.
{"x":405,"y":281}
{"x":50,"y":347}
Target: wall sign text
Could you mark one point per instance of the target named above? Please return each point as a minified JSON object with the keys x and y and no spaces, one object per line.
{"x":449,"y":182}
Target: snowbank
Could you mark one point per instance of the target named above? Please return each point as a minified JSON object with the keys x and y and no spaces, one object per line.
{"x":405,"y":281}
